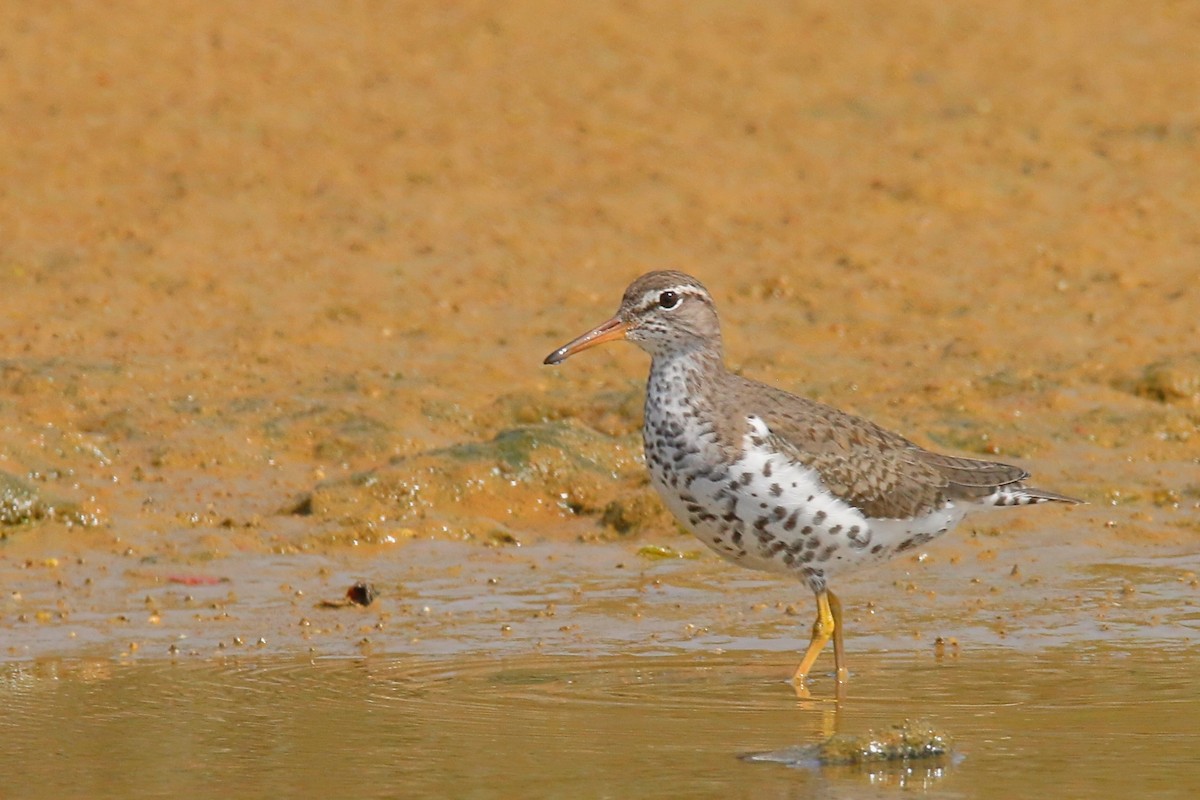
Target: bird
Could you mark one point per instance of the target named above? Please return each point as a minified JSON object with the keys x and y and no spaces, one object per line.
{"x":778,"y":482}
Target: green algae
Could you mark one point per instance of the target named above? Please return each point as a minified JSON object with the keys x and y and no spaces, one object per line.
{"x":19,"y":501}
{"x":22,"y":504}
{"x":912,"y":740}
{"x":526,"y":477}
{"x":658,"y":551}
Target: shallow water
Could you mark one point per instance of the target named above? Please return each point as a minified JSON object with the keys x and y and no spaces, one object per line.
{"x":1073,"y":722}
{"x":551,"y":671}
{"x":251,"y":253}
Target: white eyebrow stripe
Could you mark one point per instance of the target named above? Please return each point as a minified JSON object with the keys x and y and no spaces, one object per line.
{"x":650,"y":299}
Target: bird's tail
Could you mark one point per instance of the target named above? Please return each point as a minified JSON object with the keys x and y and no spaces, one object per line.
{"x":1018,"y":495}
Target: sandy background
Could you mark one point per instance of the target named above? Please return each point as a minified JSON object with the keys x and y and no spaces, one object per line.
{"x":252,"y":249}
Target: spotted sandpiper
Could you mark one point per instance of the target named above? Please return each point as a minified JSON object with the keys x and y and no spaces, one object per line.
{"x":777,"y":482}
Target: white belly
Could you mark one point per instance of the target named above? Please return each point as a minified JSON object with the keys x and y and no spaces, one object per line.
{"x":770,"y":513}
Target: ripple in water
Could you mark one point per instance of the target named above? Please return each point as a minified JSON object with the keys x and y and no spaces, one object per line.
{"x":1061,"y":723}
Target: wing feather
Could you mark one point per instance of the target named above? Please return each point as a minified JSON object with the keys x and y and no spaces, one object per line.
{"x":881,"y":473}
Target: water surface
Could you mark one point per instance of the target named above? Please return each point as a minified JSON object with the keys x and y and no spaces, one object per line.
{"x":1072,"y":722}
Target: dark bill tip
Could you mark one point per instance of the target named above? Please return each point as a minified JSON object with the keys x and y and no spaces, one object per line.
{"x":604,"y":332}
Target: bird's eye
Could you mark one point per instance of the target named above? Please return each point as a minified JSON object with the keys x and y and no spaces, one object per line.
{"x":668,"y":299}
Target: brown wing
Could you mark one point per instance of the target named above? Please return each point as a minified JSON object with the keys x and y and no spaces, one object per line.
{"x":971,"y":477}
{"x":878,"y":472}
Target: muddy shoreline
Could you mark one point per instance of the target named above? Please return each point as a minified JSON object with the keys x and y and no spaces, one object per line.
{"x":234,"y":330}
{"x":278,"y":283}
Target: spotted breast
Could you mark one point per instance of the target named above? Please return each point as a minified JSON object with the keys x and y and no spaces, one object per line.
{"x":778,"y":482}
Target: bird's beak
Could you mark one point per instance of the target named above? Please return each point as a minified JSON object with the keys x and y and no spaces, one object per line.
{"x":604,"y":332}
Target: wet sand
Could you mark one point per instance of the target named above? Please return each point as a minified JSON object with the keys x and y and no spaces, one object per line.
{"x":278,"y":283}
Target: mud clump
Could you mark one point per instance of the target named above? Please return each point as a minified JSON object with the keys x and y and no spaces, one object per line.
{"x":1173,"y":380}
{"x":22,"y":504}
{"x":913,"y":740}
{"x":910,"y":741}
{"x":547,"y":478}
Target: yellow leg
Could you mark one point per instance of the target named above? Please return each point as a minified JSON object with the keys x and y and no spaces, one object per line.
{"x":827,"y":625}
{"x":839,"y":647}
